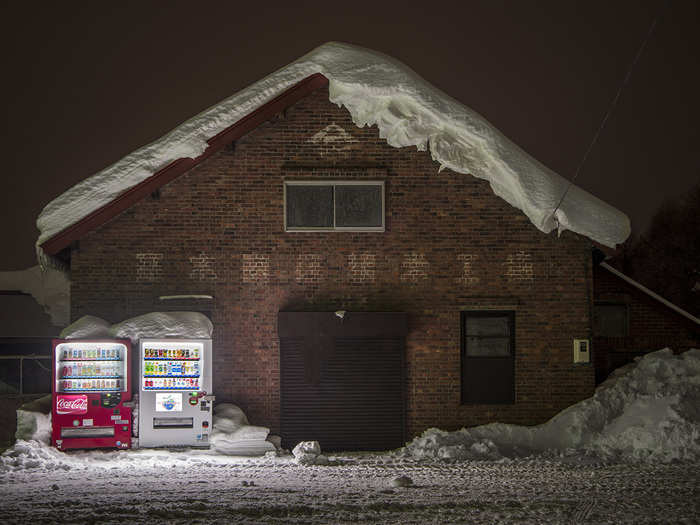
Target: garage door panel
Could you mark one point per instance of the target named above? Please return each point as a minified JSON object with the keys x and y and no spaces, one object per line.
{"x":354,"y":398}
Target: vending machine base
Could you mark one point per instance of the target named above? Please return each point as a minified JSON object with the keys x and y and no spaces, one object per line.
{"x":190,"y":428}
{"x":100,"y":430}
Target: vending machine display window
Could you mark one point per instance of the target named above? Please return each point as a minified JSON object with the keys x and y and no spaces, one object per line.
{"x":171,"y":366}
{"x":91,"y":367}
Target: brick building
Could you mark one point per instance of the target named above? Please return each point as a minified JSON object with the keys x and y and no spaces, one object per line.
{"x":630,"y":320}
{"x":453,"y":309}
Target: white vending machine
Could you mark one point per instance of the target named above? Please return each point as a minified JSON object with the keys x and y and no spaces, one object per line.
{"x":175,"y":401}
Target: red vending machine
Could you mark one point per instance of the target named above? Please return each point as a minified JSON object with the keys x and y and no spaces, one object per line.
{"x":91,"y":383}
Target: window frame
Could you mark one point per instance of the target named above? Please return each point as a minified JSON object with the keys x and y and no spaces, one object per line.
{"x":465,"y":358}
{"x":334,"y":184}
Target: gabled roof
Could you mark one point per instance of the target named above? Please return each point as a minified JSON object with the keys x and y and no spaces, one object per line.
{"x":376,"y":90}
{"x":125,"y":200}
{"x":651,"y":294}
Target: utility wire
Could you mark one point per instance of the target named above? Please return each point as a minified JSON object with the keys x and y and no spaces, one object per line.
{"x":611,"y":107}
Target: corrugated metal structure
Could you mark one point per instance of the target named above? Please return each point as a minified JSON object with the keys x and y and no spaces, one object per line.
{"x":343,"y":379}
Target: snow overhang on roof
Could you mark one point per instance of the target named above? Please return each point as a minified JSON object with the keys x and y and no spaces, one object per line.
{"x":376,"y":90}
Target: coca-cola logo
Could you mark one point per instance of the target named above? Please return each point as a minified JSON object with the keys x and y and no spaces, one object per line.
{"x":72,"y":404}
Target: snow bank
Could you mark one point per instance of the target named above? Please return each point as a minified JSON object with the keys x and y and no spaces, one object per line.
{"x":49,"y":287}
{"x":647,"y":411}
{"x":87,"y":327}
{"x":164,"y":324}
{"x":233,"y":436}
{"x":376,"y":90}
{"x":34,"y":421}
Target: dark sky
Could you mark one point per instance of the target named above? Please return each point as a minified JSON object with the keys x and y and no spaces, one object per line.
{"x":87,"y":83}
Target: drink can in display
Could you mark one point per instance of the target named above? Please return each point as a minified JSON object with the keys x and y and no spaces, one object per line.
{"x":117,"y":383}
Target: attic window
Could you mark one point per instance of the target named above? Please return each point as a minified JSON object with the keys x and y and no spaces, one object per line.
{"x":334,"y":206}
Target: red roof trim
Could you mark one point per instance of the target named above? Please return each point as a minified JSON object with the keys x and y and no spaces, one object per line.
{"x":176,"y":168}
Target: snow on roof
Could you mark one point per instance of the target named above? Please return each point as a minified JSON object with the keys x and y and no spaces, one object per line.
{"x":49,"y":287}
{"x":376,"y":89}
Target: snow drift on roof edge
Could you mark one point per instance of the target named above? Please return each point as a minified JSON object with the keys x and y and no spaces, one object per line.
{"x":376,"y":89}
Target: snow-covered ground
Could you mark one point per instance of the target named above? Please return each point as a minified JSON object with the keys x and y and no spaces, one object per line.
{"x":628,"y":454}
{"x":196,"y":488}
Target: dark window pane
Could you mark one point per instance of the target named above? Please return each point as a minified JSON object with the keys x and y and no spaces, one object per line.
{"x":309,"y":206}
{"x":36,"y":376}
{"x":358,"y":206}
{"x":610,"y":320}
{"x":488,"y":325}
{"x":488,"y":346}
{"x":9,"y":376}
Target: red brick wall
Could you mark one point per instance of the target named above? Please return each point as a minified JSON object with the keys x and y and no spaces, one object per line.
{"x":652,"y":325}
{"x":450,"y":244}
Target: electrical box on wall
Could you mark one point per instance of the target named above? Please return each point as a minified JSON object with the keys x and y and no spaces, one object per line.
{"x":582,"y":351}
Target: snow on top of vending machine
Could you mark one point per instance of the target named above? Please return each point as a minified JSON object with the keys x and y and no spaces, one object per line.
{"x":191,"y":325}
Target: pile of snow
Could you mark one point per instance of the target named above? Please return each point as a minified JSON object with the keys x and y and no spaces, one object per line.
{"x":87,"y":327}
{"x":309,"y":453}
{"x":233,"y":436}
{"x":648,"y":410}
{"x":34,"y":421}
{"x":164,"y":324}
{"x":376,"y":90}
{"x":193,"y":325}
{"x":49,"y":287}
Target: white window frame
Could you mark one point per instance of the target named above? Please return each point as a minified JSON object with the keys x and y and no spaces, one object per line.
{"x":335,"y":183}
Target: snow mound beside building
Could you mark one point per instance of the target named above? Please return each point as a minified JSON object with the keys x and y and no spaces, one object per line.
{"x":233,"y":436}
{"x":647,"y":411}
{"x":377,"y":90}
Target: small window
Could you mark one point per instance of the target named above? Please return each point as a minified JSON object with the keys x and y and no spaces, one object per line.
{"x":330,"y":206}
{"x":488,"y":357}
{"x":610,"y":320}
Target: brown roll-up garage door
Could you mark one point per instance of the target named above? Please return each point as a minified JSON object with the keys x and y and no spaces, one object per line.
{"x":343,"y":380}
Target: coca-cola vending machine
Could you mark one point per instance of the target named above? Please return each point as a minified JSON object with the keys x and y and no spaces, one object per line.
{"x":91,"y":383}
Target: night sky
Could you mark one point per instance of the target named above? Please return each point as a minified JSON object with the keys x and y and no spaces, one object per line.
{"x":87,"y":84}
